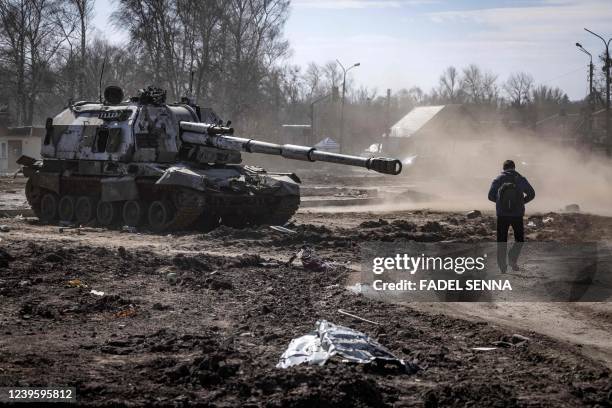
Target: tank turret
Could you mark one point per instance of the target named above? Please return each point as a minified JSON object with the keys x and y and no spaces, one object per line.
{"x":143,"y":161}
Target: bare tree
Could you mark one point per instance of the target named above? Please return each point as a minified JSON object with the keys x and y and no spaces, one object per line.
{"x":545,"y":95}
{"x":450,"y":87}
{"x":84,"y":10}
{"x":332,"y":74}
{"x":472,"y":83}
{"x":30,"y":40}
{"x":313,"y":78}
{"x":518,"y":87}
{"x":490,"y":90}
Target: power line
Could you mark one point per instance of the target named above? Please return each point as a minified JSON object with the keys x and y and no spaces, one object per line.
{"x":562,"y":75}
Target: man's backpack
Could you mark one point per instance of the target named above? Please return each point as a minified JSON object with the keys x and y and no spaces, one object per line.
{"x":509,"y":195}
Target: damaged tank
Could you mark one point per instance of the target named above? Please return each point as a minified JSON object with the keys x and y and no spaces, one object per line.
{"x":144,"y":162}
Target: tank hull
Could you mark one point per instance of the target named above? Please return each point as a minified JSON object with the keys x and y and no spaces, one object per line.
{"x":159,"y":198}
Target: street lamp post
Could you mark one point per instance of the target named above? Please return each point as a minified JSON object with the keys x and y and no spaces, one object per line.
{"x":590,"y":101}
{"x":342,"y":149}
{"x":607,"y":67}
{"x":581,"y":48}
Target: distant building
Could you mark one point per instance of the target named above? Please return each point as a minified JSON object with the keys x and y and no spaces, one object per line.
{"x":329,"y":145}
{"x":432,"y":131}
{"x":17,"y":141}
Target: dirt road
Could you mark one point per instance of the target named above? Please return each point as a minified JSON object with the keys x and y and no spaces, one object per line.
{"x":204,"y":318}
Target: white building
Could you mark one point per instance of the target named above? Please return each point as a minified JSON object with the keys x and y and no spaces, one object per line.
{"x":18,"y":141}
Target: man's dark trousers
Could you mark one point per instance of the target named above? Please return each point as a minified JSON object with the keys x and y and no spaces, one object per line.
{"x":503,"y":224}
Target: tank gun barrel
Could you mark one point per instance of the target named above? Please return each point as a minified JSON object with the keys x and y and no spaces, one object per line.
{"x":217,"y":136}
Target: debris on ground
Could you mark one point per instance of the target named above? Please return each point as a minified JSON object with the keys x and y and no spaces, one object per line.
{"x":356,"y":317}
{"x":535,"y":221}
{"x":503,"y":344}
{"x":517,"y":339}
{"x":329,"y":340}
{"x":171,"y":278}
{"x":4,"y":228}
{"x":76,"y":229}
{"x":129,"y":312}
{"x":76,"y":283}
{"x":547,"y":220}
{"x":310,"y":260}
{"x":122,"y":252}
{"x":473,"y":214}
{"x":128,"y":228}
{"x":484,"y":348}
{"x":96,"y":292}
{"x":282,"y":229}
{"x":514,"y":340}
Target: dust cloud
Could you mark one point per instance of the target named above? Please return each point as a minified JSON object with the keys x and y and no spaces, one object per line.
{"x":455,"y":173}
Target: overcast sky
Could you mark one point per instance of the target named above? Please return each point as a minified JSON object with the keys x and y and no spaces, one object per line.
{"x":402,"y":43}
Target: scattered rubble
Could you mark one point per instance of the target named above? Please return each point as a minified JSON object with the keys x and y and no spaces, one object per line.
{"x":76,"y":283}
{"x":356,"y":317}
{"x":310,"y":260}
{"x":473,"y":214}
{"x":282,"y":229}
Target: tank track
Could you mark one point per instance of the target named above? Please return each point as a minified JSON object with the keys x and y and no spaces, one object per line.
{"x":283,"y":212}
{"x":189,"y":208}
{"x":185,"y":217}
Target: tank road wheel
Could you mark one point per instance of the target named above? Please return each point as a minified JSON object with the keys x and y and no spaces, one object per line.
{"x":48,"y":207}
{"x":282,"y":212}
{"x":85,"y":210}
{"x":160,"y":215}
{"x":107,"y":213}
{"x":65,"y":208}
{"x":133,"y":213}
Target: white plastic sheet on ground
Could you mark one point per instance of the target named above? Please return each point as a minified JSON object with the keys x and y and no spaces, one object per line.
{"x":329,"y":340}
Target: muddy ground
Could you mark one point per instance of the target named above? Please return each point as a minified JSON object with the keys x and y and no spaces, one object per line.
{"x":192,"y":318}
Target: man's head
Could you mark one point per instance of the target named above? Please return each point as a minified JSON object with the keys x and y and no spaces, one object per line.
{"x":509,"y":165}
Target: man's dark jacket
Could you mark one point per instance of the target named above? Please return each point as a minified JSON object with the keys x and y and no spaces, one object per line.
{"x":523,"y":186}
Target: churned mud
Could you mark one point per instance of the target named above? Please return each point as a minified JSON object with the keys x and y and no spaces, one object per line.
{"x":202,"y":318}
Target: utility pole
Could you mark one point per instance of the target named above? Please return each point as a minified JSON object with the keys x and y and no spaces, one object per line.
{"x":342,"y":149}
{"x":312,"y":118}
{"x":591,"y":100}
{"x":388,"y":112}
{"x":607,"y":68}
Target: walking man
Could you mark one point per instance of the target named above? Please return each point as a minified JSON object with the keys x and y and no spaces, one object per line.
{"x":510,"y":192}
